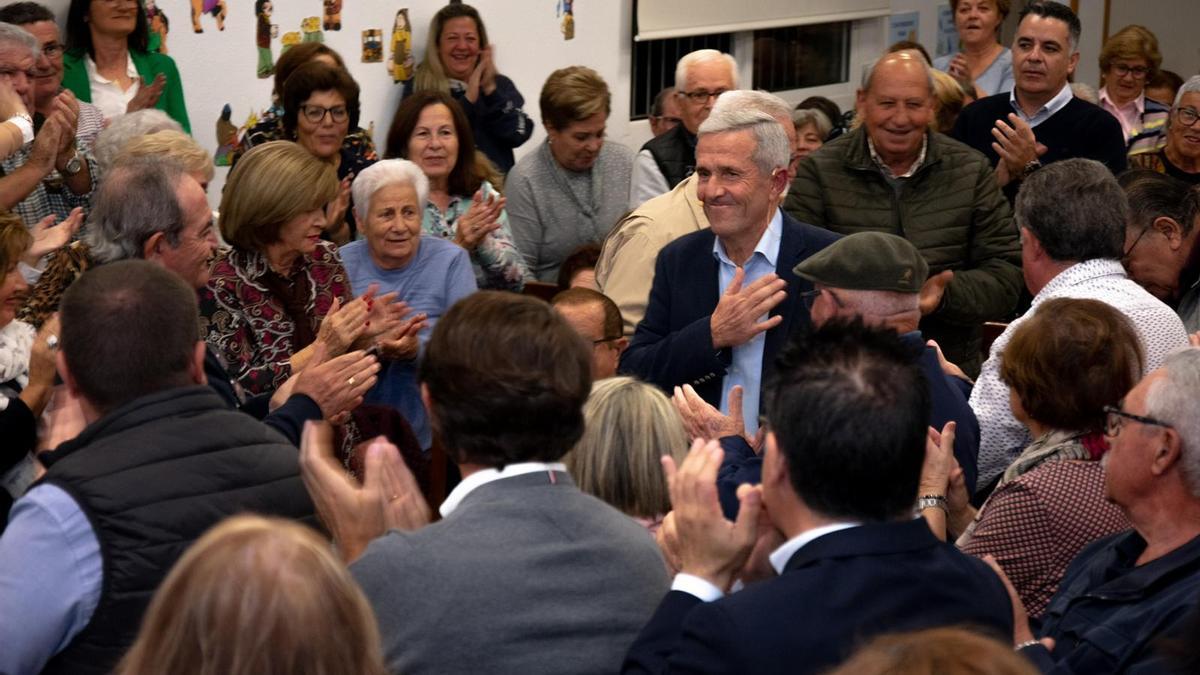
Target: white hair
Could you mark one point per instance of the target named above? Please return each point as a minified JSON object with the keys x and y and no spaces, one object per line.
{"x":750,"y":99}
{"x":772,"y":149}
{"x":125,"y":128}
{"x":806,"y":116}
{"x":702,"y":56}
{"x":18,"y":37}
{"x":1173,"y":400}
{"x":385,"y":173}
{"x":1191,"y":86}
{"x":1085,"y":91}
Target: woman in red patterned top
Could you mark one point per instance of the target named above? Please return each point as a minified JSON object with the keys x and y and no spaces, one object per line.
{"x":1062,"y":367}
{"x":280,"y":293}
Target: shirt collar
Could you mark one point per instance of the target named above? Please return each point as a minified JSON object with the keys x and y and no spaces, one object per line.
{"x":779,"y":557}
{"x":768,"y":243}
{"x":1060,"y":101}
{"x":887,"y":170}
{"x":94,"y":74}
{"x":1083,"y":273}
{"x":1138,"y":104}
{"x":485,"y":476}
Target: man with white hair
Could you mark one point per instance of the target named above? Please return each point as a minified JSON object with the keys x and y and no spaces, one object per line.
{"x":724,"y":299}
{"x":625,"y":269}
{"x":664,"y":161}
{"x":1124,"y":592}
{"x":894,"y":175}
{"x":48,"y":176}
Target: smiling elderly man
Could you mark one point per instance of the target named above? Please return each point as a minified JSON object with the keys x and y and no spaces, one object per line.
{"x":894,"y":175}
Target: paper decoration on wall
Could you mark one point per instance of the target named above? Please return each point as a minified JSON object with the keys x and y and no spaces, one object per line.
{"x":947,"y":35}
{"x":263,"y":33}
{"x":157,"y":21}
{"x":402,"y":57}
{"x":227,"y":138}
{"x":214,"y":7}
{"x":333,"y":15}
{"x":372,"y":45}
{"x":567,"y":10}
{"x":290,"y":39}
{"x":311,"y":29}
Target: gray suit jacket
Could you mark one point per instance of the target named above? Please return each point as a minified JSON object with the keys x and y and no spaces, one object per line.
{"x":528,"y":575}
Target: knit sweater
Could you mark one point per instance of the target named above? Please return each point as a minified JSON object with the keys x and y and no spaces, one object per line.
{"x":553,"y":211}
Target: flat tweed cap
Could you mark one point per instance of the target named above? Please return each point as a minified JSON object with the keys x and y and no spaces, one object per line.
{"x":867,"y":261}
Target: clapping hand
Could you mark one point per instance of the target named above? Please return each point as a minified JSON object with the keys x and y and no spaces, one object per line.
{"x":147,"y":94}
{"x":703,"y":420}
{"x":482,"y":218}
{"x":402,"y":344}
{"x":47,"y":237}
{"x":342,"y":325}
{"x":1017,"y":147}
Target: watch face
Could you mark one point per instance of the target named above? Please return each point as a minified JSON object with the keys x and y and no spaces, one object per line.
{"x":73,"y":166}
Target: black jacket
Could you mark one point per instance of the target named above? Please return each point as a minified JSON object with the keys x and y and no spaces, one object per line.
{"x":675,"y":154}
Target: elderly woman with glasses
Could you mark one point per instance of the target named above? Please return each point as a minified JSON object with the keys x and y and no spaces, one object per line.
{"x":1064,"y":367}
{"x":427,"y":272}
{"x":1127,"y":61}
{"x":320,"y":107}
{"x":1179,"y":157}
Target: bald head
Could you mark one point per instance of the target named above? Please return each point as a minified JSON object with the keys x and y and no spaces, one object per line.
{"x":905,"y":64}
{"x":896,"y":106}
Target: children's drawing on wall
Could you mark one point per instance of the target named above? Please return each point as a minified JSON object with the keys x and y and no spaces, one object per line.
{"x":372,"y":45}
{"x":567,"y":10}
{"x":333,"y":15}
{"x":156,"y":20}
{"x":263,"y":33}
{"x":290,"y":39}
{"x":311,"y":29}
{"x":402,"y":56}
{"x":227,"y":138}
{"x":215,"y":8}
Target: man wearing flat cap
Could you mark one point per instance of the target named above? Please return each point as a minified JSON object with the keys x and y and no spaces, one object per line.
{"x":876,"y":277}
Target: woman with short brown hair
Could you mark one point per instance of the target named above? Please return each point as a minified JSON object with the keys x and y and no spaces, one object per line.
{"x":1128,"y":60}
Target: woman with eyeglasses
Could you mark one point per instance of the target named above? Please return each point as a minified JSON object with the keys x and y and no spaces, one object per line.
{"x":108,"y":62}
{"x":1064,"y":366}
{"x":320,"y":107}
{"x":1127,"y":61}
{"x":1180,"y":156}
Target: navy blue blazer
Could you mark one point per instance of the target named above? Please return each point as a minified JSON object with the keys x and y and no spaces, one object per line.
{"x":288,"y":419}
{"x":949,"y":396}
{"x":672,"y":345}
{"x":834,"y":594}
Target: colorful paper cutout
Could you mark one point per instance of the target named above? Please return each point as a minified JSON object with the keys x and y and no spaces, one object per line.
{"x":159,"y":26}
{"x":333,"y":15}
{"x":402,"y":57}
{"x":310,"y":28}
{"x":227,"y":138}
{"x":568,"y":19}
{"x":216,"y":8}
{"x":262,"y":37}
{"x":372,"y":45}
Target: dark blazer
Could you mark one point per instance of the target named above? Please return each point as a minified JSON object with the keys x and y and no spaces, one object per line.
{"x":672,"y":345}
{"x":949,"y":397}
{"x":834,"y":594}
{"x":288,"y":419}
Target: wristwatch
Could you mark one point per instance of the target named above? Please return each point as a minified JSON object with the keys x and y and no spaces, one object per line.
{"x":73,"y":165}
{"x":932,"y":502}
{"x":1033,"y":165}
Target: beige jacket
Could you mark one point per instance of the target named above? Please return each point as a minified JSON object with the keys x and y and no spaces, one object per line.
{"x":625,"y":270}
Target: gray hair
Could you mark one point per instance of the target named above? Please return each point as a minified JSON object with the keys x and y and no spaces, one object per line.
{"x":772,"y":149}
{"x":806,"y":116}
{"x":869,"y":72}
{"x":1173,"y":400}
{"x":880,"y":304}
{"x":15,"y":36}
{"x":1154,"y":195}
{"x":628,"y":426}
{"x":383,"y":173}
{"x":1076,"y":210}
{"x":750,"y":99}
{"x":125,"y":128}
{"x":702,"y":56}
{"x":1191,"y":86}
{"x":136,"y":199}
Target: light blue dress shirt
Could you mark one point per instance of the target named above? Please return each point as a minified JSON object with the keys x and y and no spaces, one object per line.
{"x":1060,"y":101}
{"x":50,"y":578}
{"x":747,"y":365}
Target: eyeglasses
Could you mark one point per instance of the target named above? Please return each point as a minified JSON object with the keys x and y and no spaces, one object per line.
{"x":666,"y":120}
{"x":810,"y":298}
{"x":1115,"y":419}
{"x":597,"y":343}
{"x":1187,"y":116}
{"x":1125,"y":255}
{"x":702,"y":96}
{"x":316,"y":114}
{"x":1138,"y":72}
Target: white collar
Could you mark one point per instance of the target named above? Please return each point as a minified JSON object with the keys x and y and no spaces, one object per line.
{"x":1060,"y":101}
{"x":93,"y":74}
{"x":485,"y":476}
{"x":780,"y":556}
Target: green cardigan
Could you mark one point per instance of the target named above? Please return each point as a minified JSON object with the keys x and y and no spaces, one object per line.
{"x":148,"y":65}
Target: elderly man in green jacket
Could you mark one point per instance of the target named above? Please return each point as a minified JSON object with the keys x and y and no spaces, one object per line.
{"x":893,"y":174}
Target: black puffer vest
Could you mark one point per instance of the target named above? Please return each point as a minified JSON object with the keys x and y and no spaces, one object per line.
{"x":152,"y":476}
{"x":675,"y":154}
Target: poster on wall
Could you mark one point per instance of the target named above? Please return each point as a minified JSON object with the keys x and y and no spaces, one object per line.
{"x":903,"y":27}
{"x":947,"y":34}
{"x":402,"y":57}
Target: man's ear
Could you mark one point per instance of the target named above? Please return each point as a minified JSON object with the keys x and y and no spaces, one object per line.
{"x":1168,"y":454}
{"x":196,"y":365}
{"x":1073,"y":64}
{"x":621,"y":344}
{"x":1036,"y":249}
{"x":153,"y":246}
{"x":60,"y":362}
{"x":1171,"y":230}
{"x":774,"y":466}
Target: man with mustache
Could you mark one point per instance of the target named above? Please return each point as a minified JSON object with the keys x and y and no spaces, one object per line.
{"x":1040,"y":121}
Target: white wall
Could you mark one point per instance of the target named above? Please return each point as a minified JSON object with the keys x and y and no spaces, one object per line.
{"x":219,"y":67}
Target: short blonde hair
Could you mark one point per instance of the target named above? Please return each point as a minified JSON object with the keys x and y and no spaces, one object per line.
{"x":935,"y":651}
{"x":949,"y":99}
{"x":573,"y":94}
{"x":175,"y":145}
{"x":628,"y":426}
{"x":1132,"y":42}
{"x":257,"y":595}
{"x":267,"y":189}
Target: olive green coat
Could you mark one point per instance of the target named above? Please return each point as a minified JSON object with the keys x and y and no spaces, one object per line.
{"x":950,"y":209}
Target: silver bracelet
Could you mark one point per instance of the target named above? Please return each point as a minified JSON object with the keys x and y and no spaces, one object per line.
{"x":1027,"y":643}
